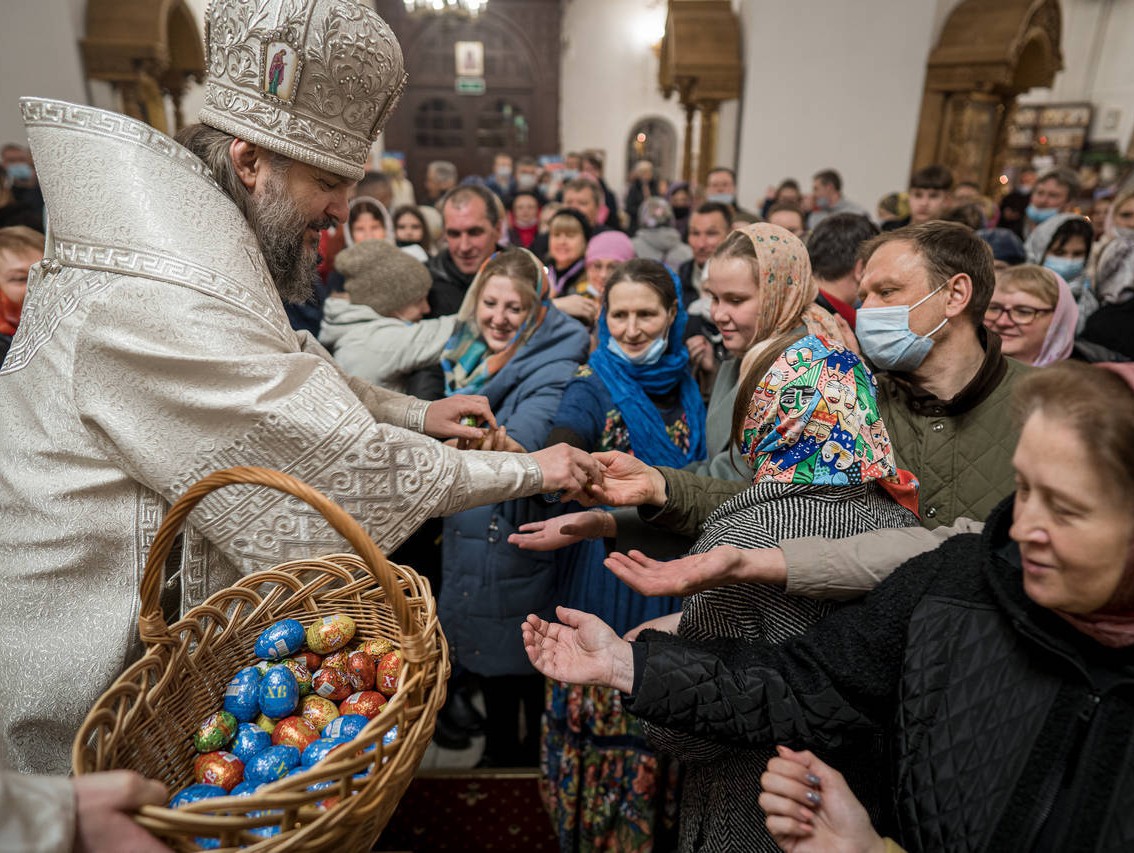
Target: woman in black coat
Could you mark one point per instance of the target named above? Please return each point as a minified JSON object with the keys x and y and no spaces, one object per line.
{"x":1000,"y":667}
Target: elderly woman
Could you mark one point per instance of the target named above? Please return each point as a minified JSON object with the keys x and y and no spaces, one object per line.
{"x":1033,"y":311}
{"x":657,"y":239}
{"x":998,"y":667}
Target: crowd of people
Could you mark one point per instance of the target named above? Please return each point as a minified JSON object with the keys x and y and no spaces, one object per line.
{"x":754,"y":523}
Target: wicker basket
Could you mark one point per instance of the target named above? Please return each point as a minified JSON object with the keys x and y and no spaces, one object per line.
{"x":146,"y":720}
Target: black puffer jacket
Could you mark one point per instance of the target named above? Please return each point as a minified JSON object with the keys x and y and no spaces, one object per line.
{"x":1008,"y":729}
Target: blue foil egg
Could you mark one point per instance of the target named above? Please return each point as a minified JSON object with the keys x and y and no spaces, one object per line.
{"x":390,"y":736}
{"x":280,"y":640}
{"x":242,"y":695}
{"x":245,"y":789}
{"x":347,"y":726}
{"x":194,"y":793}
{"x":279,"y":692}
{"x":318,"y":750}
{"x":249,"y":742}
{"x":271,"y":764}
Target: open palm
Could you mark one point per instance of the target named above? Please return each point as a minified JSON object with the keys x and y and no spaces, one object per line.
{"x":580,"y":649}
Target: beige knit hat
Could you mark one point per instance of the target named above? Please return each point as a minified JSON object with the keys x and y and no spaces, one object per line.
{"x":382,"y":276}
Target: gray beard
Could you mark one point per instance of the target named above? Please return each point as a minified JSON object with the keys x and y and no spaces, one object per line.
{"x":279,"y":226}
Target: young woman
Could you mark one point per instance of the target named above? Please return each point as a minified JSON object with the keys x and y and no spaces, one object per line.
{"x":513,"y":347}
{"x":603,"y":785}
{"x":568,"y":233}
{"x":1063,"y":245}
{"x":368,"y":220}
{"x":998,"y":667}
{"x":1034,"y":313}
{"x":411,"y":229}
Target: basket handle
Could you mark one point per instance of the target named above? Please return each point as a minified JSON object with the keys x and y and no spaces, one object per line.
{"x":152,"y":626}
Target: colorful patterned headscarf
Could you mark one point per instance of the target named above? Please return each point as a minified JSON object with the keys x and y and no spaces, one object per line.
{"x":467,"y":361}
{"x":814,"y":419}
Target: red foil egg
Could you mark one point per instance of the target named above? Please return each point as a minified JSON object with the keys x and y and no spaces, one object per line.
{"x":294,"y":731}
{"x":318,"y":711}
{"x":330,"y":633}
{"x":219,"y":768}
{"x":368,"y":703}
{"x":361,"y":671}
{"x":331,"y":683}
{"x":309,"y":659}
{"x":387,"y":673}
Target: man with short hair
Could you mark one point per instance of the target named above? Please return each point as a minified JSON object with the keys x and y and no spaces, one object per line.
{"x":788,"y":216}
{"x":708,"y":228}
{"x":154,"y":349}
{"x":471,"y":224}
{"x":582,"y":194}
{"x":835,"y":265}
{"x":930,"y":195}
{"x":527,"y":179}
{"x":501,"y":181}
{"x":720,"y":187}
{"x":827,"y":198}
{"x":440,"y":177}
{"x":1054,"y":193}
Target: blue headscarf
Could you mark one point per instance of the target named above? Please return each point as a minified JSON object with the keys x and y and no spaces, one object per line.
{"x":629,"y":385}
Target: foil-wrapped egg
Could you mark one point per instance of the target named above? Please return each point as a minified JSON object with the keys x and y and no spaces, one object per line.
{"x":361,"y":671}
{"x":194,"y":793}
{"x":246,"y":789}
{"x":309,"y":659}
{"x":347,"y":726}
{"x":215,"y":732}
{"x":266,"y":723}
{"x":387,"y":672}
{"x":242,"y":695}
{"x":331,"y":684}
{"x":367,"y":703}
{"x":318,"y":711}
{"x":390,"y":736}
{"x":337,"y":660}
{"x":250,"y":740}
{"x":294,"y":731}
{"x":280,"y":640}
{"x":279,"y":692}
{"x":271,"y":764}
{"x":376,"y":647}
{"x":317,"y":750}
{"x":302,"y":675}
{"x":219,"y":768}
{"x":330,"y":633}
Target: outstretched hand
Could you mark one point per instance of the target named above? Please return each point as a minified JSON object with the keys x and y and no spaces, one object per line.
{"x":569,"y":471}
{"x":628,"y":481}
{"x":810,"y":808}
{"x":697,"y":572}
{"x":564,"y":530}
{"x":580,"y":649}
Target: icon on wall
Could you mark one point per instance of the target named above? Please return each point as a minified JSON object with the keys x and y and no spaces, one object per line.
{"x":470,"y":58}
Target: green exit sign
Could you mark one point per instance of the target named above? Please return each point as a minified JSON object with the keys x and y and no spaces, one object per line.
{"x":470,"y":85}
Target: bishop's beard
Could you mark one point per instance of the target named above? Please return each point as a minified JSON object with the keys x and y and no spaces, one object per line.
{"x":280,"y":227}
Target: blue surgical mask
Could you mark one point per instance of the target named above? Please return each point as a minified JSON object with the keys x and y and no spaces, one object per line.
{"x":19,"y":171}
{"x":650,"y":355}
{"x":887,"y":340}
{"x":1041,"y":214}
{"x":1069,"y":268}
{"x":721,"y":198}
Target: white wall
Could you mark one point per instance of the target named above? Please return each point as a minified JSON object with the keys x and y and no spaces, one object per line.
{"x":832,"y":85}
{"x":609,"y":78}
{"x":1098,"y":61}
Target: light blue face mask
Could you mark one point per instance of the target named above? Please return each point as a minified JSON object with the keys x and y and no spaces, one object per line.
{"x":19,"y":171}
{"x":650,"y":355}
{"x":1069,"y":268}
{"x":721,"y":198}
{"x":887,"y":340}
{"x":1041,"y":214}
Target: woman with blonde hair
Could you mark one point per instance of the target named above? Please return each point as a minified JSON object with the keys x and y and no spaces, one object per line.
{"x":1033,"y":311}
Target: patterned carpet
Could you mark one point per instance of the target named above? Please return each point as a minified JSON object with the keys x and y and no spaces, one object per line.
{"x":471,"y":810}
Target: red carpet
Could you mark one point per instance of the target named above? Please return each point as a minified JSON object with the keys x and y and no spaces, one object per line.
{"x":470,"y":810}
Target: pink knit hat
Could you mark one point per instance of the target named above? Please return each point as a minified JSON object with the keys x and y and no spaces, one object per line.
{"x":610,"y":246}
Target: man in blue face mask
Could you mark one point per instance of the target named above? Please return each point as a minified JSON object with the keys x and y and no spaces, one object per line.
{"x":1055,"y":191}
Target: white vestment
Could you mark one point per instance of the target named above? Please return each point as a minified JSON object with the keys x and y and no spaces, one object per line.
{"x":156,"y":351}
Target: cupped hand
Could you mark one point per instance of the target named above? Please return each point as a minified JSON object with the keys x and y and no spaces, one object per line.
{"x":579,"y":649}
{"x":628,"y":481}
{"x":564,"y":530}
{"x":443,"y":417}
{"x":570,"y":471}
{"x":684,"y":576}
{"x":103,"y":805}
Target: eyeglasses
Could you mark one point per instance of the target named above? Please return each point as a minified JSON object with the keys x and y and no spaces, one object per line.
{"x":1021,"y":315}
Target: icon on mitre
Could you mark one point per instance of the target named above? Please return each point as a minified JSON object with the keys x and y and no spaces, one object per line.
{"x":281,"y":68}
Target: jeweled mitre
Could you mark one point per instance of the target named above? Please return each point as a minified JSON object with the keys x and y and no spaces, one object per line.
{"x":314,"y":80}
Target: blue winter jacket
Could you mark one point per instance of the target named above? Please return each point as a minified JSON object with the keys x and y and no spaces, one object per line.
{"x":489,"y":586}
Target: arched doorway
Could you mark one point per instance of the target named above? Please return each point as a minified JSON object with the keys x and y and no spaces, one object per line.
{"x":653,"y":139}
{"x":518,"y":110}
{"x":988,"y":54}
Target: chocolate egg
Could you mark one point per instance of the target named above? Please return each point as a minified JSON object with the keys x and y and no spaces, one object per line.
{"x":331,"y":684}
{"x":266,"y":723}
{"x":242,"y":695}
{"x":215,"y":732}
{"x":376,"y":647}
{"x":330,"y":633}
{"x":271,"y":764}
{"x":337,"y":660}
{"x":250,"y":740}
{"x":367,"y":703}
{"x":194,"y":793}
{"x":318,"y":711}
{"x":390,"y":736}
{"x":280,"y":640}
{"x":302,"y":675}
{"x":317,"y":750}
{"x":279,"y":692}
{"x":361,"y":671}
{"x":310,"y":660}
{"x":387,"y":672}
{"x":245,"y":789}
{"x":219,"y":768}
{"x":347,"y":726}
{"x":294,"y":731}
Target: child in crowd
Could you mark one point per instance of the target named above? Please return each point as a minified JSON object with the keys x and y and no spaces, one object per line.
{"x":378,"y":333}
